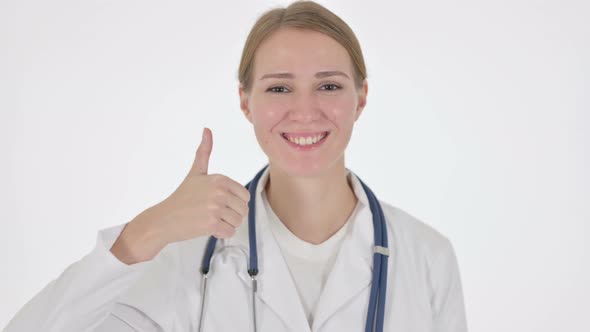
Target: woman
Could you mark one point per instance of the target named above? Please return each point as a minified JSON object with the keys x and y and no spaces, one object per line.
{"x":302,"y":86}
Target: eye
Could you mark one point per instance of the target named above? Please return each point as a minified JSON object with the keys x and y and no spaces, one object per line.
{"x":277,"y":89}
{"x":330,"y":87}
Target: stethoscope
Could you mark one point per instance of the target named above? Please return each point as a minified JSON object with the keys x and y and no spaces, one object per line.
{"x":380,"y":253}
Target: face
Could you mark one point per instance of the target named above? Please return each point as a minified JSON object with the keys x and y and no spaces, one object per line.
{"x":302,"y":89}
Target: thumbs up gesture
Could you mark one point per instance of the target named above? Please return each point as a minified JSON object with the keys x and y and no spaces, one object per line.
{"x":205,"y":204}
{"x":202,"y":205}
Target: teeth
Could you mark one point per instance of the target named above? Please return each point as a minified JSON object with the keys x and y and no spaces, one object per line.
{"x":307,"y":140}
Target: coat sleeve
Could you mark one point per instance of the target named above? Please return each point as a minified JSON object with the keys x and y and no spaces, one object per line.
{"x":83,"y":296}
{"x":447,"y":294}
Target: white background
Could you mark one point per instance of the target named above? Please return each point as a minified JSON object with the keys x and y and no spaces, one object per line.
{"x":477,"y":123}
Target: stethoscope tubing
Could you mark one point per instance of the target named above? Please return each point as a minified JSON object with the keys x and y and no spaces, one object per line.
{"x":378,"y":288}
{"x":376,"y":310}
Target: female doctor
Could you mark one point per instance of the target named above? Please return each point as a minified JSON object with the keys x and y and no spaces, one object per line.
{"x":189,"y":263}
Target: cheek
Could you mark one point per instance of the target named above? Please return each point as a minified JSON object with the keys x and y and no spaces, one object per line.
{"x":266,"y":115}
{"x":340,"y":110}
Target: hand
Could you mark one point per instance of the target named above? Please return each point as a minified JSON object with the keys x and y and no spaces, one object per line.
{"x":203,"y":205}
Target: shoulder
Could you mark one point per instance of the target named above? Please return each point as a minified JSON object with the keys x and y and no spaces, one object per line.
{"x":424,"y":253}
{"x":413,"y":230}
{"x":416,"y":240}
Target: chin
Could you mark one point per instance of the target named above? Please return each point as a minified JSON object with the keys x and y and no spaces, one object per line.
{"x":303,"y":168}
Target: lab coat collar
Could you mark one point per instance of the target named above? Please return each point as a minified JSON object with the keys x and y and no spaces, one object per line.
{"x":352,"y":270}
{"x":350,"y":274}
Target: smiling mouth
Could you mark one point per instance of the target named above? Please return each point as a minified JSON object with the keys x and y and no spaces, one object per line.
{"x":306,"y":140}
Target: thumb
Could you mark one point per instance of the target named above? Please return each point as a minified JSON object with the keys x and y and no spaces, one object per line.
{"x":201,"y":162}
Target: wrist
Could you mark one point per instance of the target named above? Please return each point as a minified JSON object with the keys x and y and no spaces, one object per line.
{"x":140,"y":239}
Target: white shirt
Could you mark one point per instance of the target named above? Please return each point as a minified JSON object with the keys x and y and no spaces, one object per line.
{"x":99,"y":293}
{"x":308,"y":263}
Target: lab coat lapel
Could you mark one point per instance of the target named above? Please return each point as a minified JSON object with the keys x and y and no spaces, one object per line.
{"x":350,"y":275}
{"x":276,"y":287}
{"x":352,"y":270}
{"x":275,"y":284}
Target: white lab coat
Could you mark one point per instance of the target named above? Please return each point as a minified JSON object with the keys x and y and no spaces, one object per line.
{"x":99,"y":293}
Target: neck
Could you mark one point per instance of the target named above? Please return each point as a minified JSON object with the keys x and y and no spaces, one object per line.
{"x":313,"y":208}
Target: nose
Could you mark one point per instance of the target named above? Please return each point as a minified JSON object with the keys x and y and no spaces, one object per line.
{"x":305,"y":108}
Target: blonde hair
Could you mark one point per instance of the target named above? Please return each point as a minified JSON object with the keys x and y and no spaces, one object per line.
{"x":307,"y":15}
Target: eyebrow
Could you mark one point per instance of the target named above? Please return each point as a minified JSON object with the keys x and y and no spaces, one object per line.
{"x":321,"y":74}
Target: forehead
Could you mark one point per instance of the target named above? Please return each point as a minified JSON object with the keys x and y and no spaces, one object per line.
{"x":300,"y":51}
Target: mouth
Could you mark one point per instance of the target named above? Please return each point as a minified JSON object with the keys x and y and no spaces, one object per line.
{"x":306,"y":141}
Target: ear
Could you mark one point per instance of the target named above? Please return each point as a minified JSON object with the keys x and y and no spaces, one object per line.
{"x":244,"y":99}
{"x":362,"y":98}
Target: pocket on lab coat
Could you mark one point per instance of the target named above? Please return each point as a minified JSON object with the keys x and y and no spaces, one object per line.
{"x":126,"y":318}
